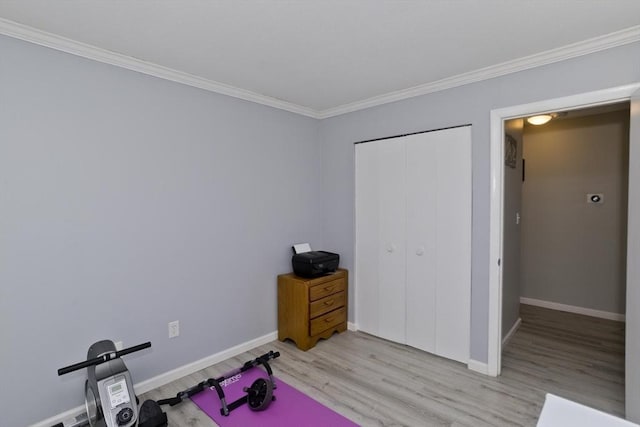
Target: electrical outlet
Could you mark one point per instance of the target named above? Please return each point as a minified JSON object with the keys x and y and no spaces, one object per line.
{"x":174,"y":329}
{"x":119,"y":345}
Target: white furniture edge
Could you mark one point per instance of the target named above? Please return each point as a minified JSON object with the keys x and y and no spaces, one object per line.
{"x":560,"y":412}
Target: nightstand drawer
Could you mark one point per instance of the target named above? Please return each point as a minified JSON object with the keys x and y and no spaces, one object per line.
{"x":327,"y":304}
{"x":328,"y":321}
{"x":325,"y":289}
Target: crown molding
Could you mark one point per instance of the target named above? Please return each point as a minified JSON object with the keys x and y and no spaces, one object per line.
{"x":596,"y":44}
{"x":43,"y":38}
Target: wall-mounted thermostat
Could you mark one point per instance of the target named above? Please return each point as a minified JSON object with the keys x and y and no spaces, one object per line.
{"x":595,"y":198}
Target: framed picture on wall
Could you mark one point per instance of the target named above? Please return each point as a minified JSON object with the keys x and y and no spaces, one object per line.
{"x":510,"y":151}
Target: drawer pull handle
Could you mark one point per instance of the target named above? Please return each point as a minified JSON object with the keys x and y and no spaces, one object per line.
{"x":328,"y":319}
{"x":329,"y":302}
{"x":329,"y":288}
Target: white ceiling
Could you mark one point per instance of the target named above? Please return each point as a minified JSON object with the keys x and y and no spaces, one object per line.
{"x":326,"y":55}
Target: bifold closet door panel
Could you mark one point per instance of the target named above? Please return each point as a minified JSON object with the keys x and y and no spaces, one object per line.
{"x":367,"y":239}
{"x":380,"y":238}
{"x":422,"y":188}
{"x":453,"y":261}
{"x":392,"y":250}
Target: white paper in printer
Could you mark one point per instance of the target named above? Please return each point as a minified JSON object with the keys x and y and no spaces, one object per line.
{"x":301,"y":248}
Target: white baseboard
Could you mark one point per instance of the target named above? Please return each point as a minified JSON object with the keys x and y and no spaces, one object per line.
{"x":512,"y":331}
{"x":174,"y":374}
{"x":60,"y":418}
{"x":167,"y":377}
{"x":352,"y":326}
{"x":481,"y":367}
{"x":573,"y":309}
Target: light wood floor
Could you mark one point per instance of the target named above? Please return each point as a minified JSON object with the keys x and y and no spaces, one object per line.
{"x":378,"y":383}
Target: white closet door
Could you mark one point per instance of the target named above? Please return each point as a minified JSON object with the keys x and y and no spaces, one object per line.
{"x":453,"y":277}
{"x":367,"y":283}
{"x":413,"y":240}
{"x":422,"y":245}
{"x":392,"y":251}
{"x":380,"y":238}
{"x":439,"y":242}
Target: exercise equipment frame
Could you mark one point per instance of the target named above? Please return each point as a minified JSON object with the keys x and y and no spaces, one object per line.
{"x":217,"y":383}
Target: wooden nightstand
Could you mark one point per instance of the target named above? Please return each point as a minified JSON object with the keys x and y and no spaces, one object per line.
{"x":310,"y":309}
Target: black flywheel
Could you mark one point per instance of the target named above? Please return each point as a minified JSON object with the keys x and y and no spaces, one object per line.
{"x":260,"y":394}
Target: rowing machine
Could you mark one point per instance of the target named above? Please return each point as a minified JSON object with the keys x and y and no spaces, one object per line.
{"x":259,"y":395}
{"x":109,"y":397}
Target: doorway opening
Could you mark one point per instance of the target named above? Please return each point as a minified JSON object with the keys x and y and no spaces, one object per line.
{"x":498,"y":117}
{"x":564,"y":252}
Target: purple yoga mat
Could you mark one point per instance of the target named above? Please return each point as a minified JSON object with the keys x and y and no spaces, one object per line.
{"x":291,"y":407}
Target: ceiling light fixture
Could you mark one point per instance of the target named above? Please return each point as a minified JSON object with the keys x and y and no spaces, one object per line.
{"x":540,"y":119}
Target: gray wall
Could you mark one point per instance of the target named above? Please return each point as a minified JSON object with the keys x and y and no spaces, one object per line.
{"x":127,"y":202}
{"x":469,"y":104}
{"x":574,"y":252}
{"x":511,"y":232}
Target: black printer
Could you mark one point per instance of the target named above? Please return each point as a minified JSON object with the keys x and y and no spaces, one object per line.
{"x":315,"y":263}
